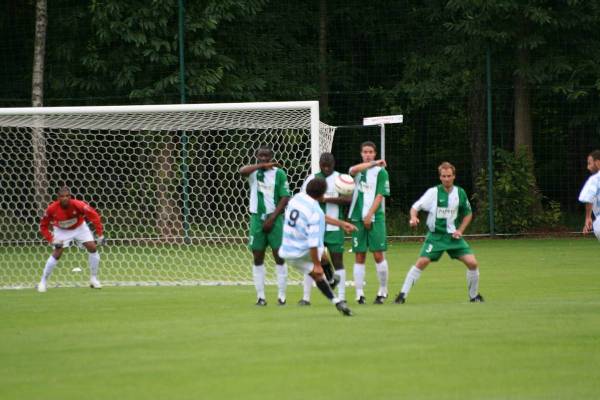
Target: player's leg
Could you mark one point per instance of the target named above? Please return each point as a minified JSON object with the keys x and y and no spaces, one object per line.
{"x":307,"y":288}
{"x":338,"y":263}
{"x":359,"y":248}
{"x":377,"y":238}
{"x":48,"y":268}
{"x":257,"y":242}
{"x":84,"y":235}
{"x":412,"y":276}
{"x":472,"y":276}
{"x":323,"y":286}
{"x":282,"y":274}
{"x":274,"y":239}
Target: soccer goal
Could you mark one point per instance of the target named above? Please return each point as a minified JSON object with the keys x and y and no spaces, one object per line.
{"x":164,"y":178}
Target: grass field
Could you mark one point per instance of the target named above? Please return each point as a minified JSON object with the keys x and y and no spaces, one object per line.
{"x":536,"y":337}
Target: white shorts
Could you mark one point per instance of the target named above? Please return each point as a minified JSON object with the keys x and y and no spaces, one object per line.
{"x":303,"y":264}
{"x":81,"y":234}
{"x":596,"y":227}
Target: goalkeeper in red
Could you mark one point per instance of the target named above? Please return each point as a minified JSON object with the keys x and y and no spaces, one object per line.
{"x":67,"y":218}
{"x":449,"y":215}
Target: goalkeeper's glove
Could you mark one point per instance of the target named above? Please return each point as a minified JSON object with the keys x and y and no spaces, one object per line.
{"x":101,"y":240}
{"x":57,"y":244}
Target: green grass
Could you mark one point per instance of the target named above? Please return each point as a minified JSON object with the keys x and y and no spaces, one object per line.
{"x":536,"y":337}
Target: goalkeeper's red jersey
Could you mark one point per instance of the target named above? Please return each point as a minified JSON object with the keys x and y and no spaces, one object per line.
{"x":69,"y":218}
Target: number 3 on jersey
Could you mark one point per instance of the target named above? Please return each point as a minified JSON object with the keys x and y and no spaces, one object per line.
{"x":429,"y":248}
{"x":294,"y":214}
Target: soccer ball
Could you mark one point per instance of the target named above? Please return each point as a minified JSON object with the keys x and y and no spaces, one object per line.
{"x":344,"y":184}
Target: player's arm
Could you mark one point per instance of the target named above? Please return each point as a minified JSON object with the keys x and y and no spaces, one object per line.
{"x":368,"y":220}
{"x":248,"y":169}
{"x":340,"y":200}
{"x":346,"y":226}
{"x":355,"y":169}
{"x":414,"y":217}
{"x":284,"y":197}
{"x":45,"y":226}
{"x":587,"y":227}
{"x":93,"y":216}
{"x":461,"y":229}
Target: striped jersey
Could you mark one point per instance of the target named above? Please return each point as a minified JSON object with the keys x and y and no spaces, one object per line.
{"x":303,"y":227}
{"x":330,"y":209}
{"x":591,"y":193}
{"x":369,"y":183}
{"x":446,"y":210}
{"x":267,"y":187}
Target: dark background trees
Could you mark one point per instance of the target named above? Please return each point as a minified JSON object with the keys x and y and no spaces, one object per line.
{"x":424,"y":59}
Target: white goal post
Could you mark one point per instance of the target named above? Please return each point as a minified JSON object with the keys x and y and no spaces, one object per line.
{"x":164,"y":178}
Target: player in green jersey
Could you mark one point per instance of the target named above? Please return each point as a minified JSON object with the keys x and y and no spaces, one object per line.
{"x":332,"y":205}
{"x":368,"y":214}
{"x":449,"y":215}
{"x":269,"y":195}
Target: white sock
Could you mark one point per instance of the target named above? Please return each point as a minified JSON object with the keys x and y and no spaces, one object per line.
{"x":473,"y":282}
{"x":411,"y":278}
{"x":94,"y":261}
{"x":308,"y":284}
{"x":258,"y":272}
{"x":50,"y":264}
{"x":342,"y":285}
{"x":382,"y":274}
{"x":359,"y":279}
{"x":282,"y":273}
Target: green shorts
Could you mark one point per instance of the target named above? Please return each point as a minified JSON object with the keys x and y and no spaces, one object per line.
{"x":436,"y":243}
{"x":374,"y":239}
{"x":334,"y":241}
{"x":259,"y":240}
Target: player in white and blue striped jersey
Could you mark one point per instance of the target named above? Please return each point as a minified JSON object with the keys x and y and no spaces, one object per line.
{"x":303,"y":237}
{"x":590,"y":195}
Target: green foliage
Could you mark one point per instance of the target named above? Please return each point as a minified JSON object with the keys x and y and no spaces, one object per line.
{"x":518,"y":205}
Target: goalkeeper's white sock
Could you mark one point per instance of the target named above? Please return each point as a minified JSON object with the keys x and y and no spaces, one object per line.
{"x":282,"y":274}
{"x":412,"y":277}
{"x":94,"y":262}
{"x":258,"y":272}
{"x":50,"y":264}
{"x":382,"y":274}
{"x":308,"y":284}
{"x":342,"y":285}
{"x":359,"y":279}
{"x":473,"y":282}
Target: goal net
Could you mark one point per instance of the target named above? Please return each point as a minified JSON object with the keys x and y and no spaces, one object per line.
{"x":164,"y":179}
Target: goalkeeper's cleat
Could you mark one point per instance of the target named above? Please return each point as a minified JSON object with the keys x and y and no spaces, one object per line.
{"x":379,"y":299}
{"x":281,"y":302}
{"x":261,"y":302}
{"x":361,"y":300}
{"x":95,"y":283}
{"x":400,"y":299}
{"x":477,"y":299}
{"x":343,"y":308}
{"x":41,"y":287}
{"x":304,"y":303}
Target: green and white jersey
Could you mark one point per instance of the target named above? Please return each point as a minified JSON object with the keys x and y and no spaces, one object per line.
{"x":369,"y":183}
{"x":331,"y":210}
{"x":266,"y":189}
{"x":446,"y":210}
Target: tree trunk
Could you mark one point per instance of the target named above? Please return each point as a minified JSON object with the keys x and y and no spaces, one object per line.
{"x":522,"y":93}
{"x":477,"y":129}
{"x":169,"y":223}
{"x":323,"y":78}
{"x":38,"y":139}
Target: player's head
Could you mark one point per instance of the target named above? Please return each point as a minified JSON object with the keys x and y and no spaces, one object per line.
{"x":316,"y":188}
{"x":327,"y":163}
{"x":447,"y":174}
{"x":593,"y":161}
{"x":264,"y":154}
{"x":63,"y":195}
{"x":368,"y":151}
